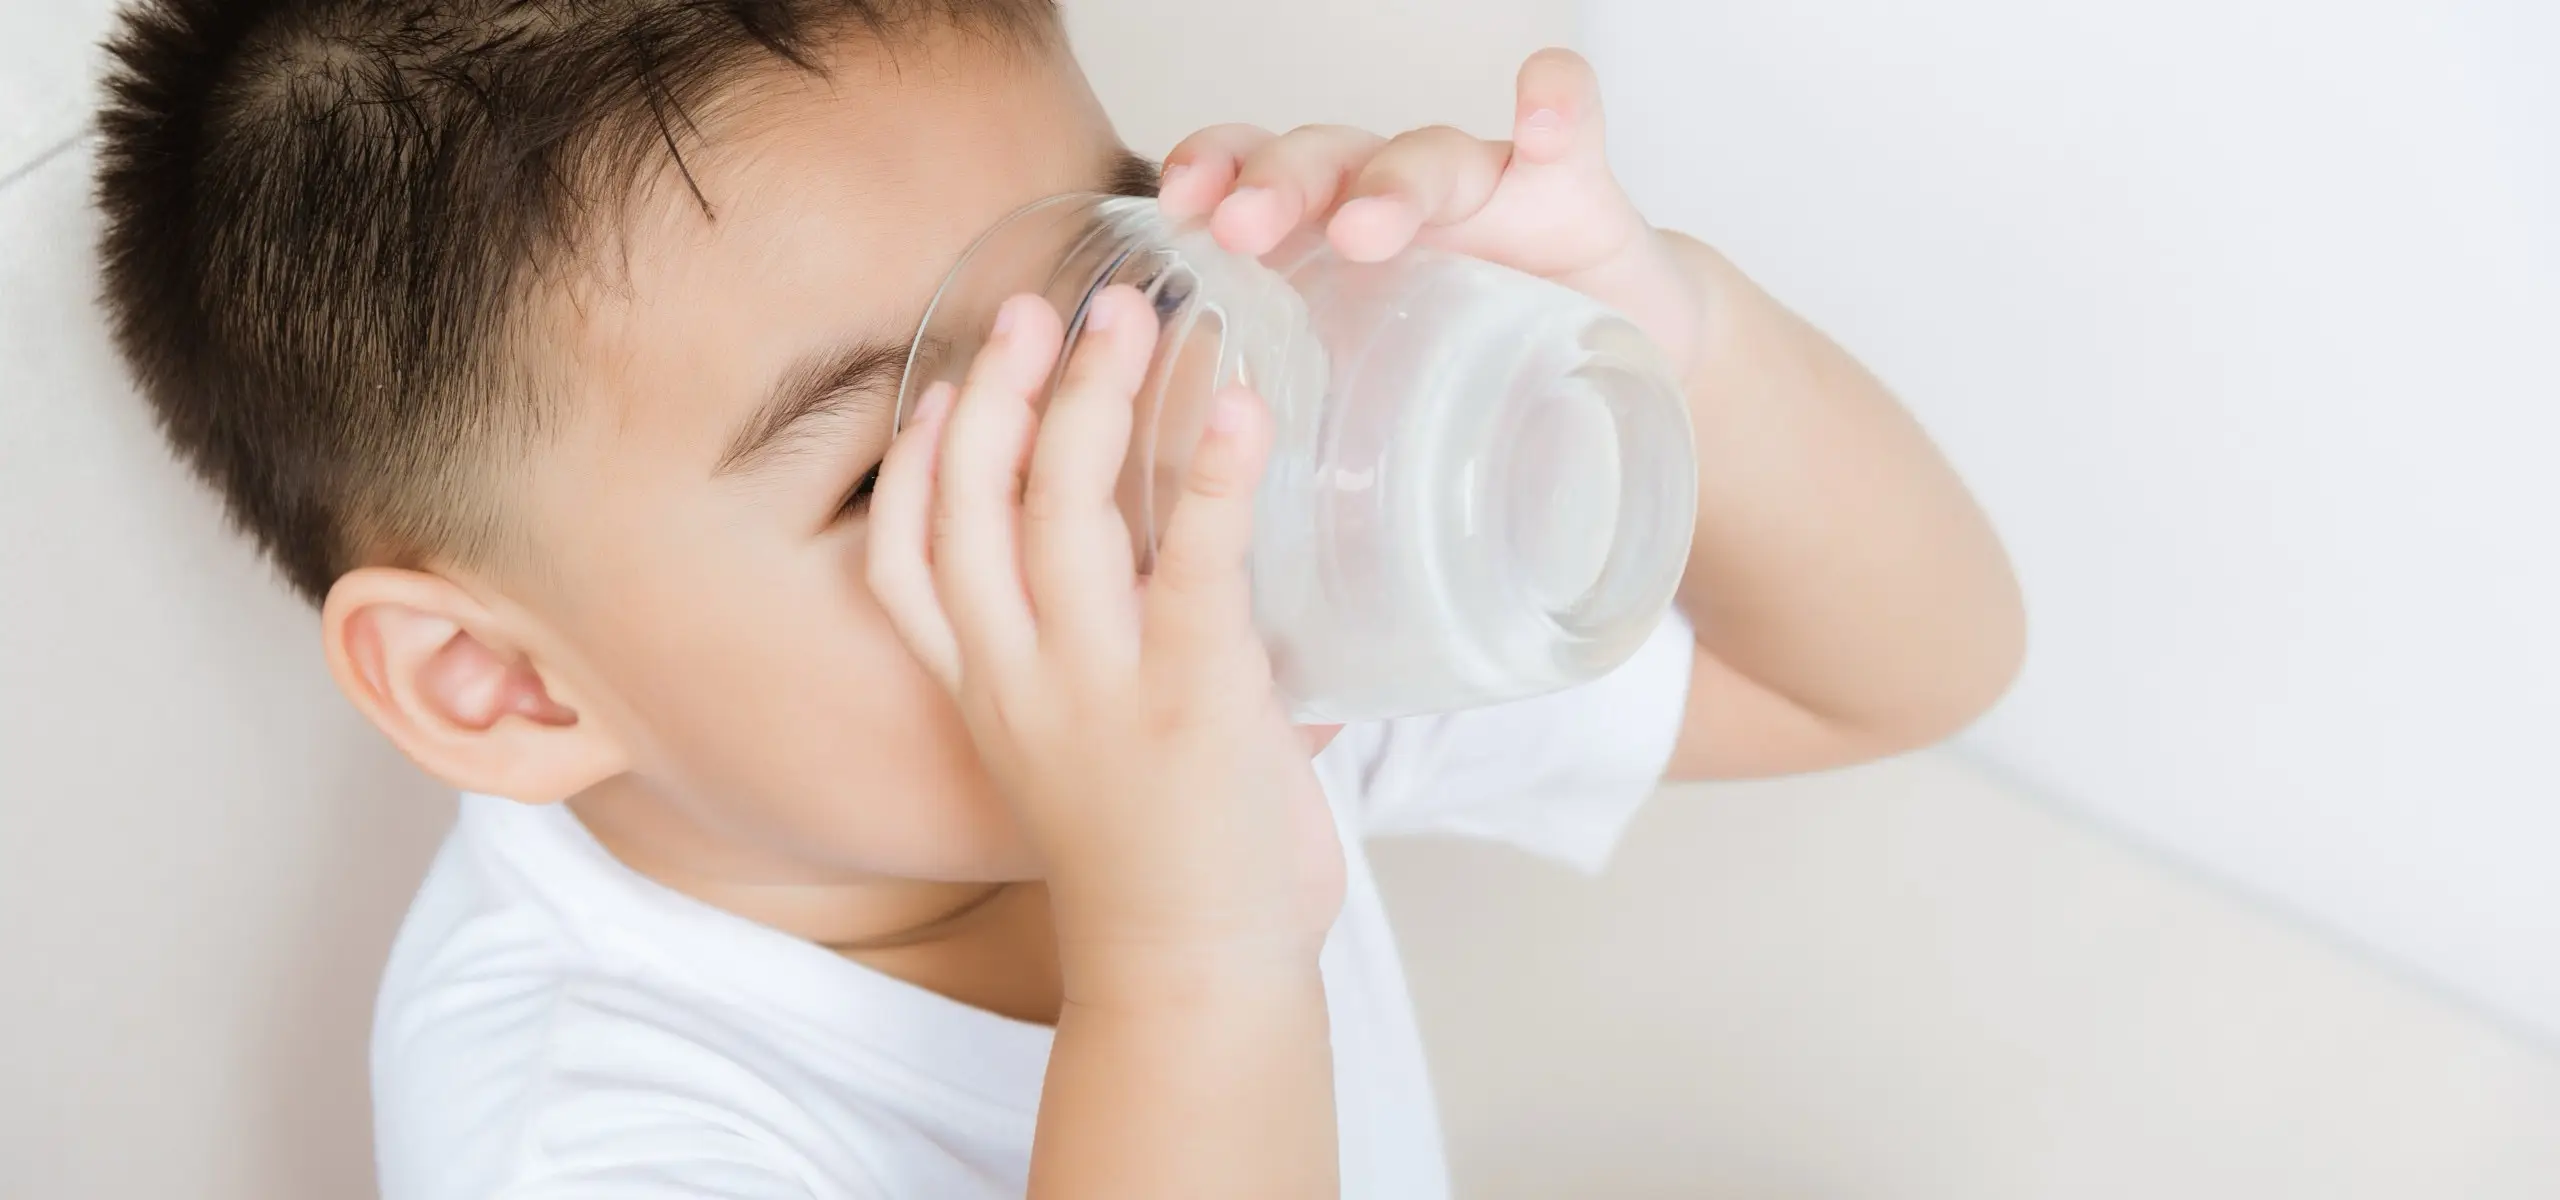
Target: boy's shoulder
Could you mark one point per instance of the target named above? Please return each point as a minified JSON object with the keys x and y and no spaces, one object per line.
{"x":547,"y":1014}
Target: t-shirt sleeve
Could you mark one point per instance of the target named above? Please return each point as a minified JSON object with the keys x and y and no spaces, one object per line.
{"x":1558,"y":775}
{"x":673,"y":1157}
{"x":526,"y":1093}
{"x":612,"y":1143}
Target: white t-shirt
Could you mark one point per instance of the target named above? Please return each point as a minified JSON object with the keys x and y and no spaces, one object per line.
{"x":553,"y":1024}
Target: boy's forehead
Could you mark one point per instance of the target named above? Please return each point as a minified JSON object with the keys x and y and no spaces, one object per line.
{"x":821,"y":207}
{"x":898,"y":156}
{"x":909,"y":147}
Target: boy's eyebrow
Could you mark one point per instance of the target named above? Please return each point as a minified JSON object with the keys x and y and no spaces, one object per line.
{"x":858,"y":378}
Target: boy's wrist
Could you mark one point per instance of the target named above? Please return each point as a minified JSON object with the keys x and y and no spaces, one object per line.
{"x":1721,"y":298}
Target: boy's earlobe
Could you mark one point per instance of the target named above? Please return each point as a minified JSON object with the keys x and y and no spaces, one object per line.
{"x":453,"y":685}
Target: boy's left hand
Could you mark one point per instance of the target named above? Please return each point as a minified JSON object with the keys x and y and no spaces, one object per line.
{"x":1544,"y":202}
{"x":1850,"y":599}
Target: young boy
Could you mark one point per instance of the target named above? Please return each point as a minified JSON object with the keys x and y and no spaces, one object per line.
{"x":869,"y":829}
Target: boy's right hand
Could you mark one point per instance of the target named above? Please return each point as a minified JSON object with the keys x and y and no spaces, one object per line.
{"x":1131,"y":722}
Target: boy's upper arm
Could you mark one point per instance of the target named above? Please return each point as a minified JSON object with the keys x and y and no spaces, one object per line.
{"x":1735,"y":727}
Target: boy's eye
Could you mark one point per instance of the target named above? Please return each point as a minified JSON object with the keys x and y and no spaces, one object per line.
{"x":860,"y":497}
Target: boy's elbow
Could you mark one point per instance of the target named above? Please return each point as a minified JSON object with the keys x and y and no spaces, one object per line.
{"x":1994,"y":671}
{"x":1972,"y":680}
{"x":1950,"y":689}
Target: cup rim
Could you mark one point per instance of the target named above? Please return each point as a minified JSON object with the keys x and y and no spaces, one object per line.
{"x":951,"y":276}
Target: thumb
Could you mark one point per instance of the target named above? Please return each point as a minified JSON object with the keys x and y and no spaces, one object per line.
{"x":1557,"y":119}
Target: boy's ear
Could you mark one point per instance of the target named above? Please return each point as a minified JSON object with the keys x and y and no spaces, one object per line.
{"x":451,"y":683}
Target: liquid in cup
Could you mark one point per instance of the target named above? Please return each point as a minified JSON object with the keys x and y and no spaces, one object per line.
{"x":1481,"y":486}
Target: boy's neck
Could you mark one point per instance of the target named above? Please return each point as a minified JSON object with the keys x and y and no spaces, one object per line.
{"x":986,"y":946}
{"x":1001,"y":955}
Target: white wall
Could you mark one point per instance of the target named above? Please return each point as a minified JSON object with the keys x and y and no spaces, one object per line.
{"x":202,"y":850}
{"x":1167,"y":67}
{"x":2244,"y":316}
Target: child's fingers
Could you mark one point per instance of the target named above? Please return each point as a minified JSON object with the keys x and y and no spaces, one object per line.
{"x":975,"y":541}
{"x":1199,"y":601}
{"x":1201,"y":170}
{"x":1292,"y":178}
{"x":897,"y":562}
{"x":1432,"y":176}
{"x":1075,"y":547}
{"x":1558,"y":118}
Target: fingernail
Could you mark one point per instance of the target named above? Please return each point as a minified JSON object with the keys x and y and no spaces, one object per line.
{"x":1545,"y":118}
{"x":1172,"y":175}
{"x":1250,"y":195}
{"x":1004,"y":318}
{"x":1101,"y":316}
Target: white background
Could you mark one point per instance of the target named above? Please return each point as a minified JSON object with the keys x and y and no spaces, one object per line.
{"x":2243,"y":316}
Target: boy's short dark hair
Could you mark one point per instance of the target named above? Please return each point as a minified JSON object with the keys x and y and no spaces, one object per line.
{"x":323,"y":218}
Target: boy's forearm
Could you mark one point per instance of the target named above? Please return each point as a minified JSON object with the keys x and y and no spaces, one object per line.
{"x":1839,"y":562}
{"x":1219,"y":1083}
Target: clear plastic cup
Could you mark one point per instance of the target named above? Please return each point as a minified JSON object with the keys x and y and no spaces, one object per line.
{"x":1482,"y":485}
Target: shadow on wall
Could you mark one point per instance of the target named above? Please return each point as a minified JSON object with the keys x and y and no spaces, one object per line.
{"x":309,"y":1059}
